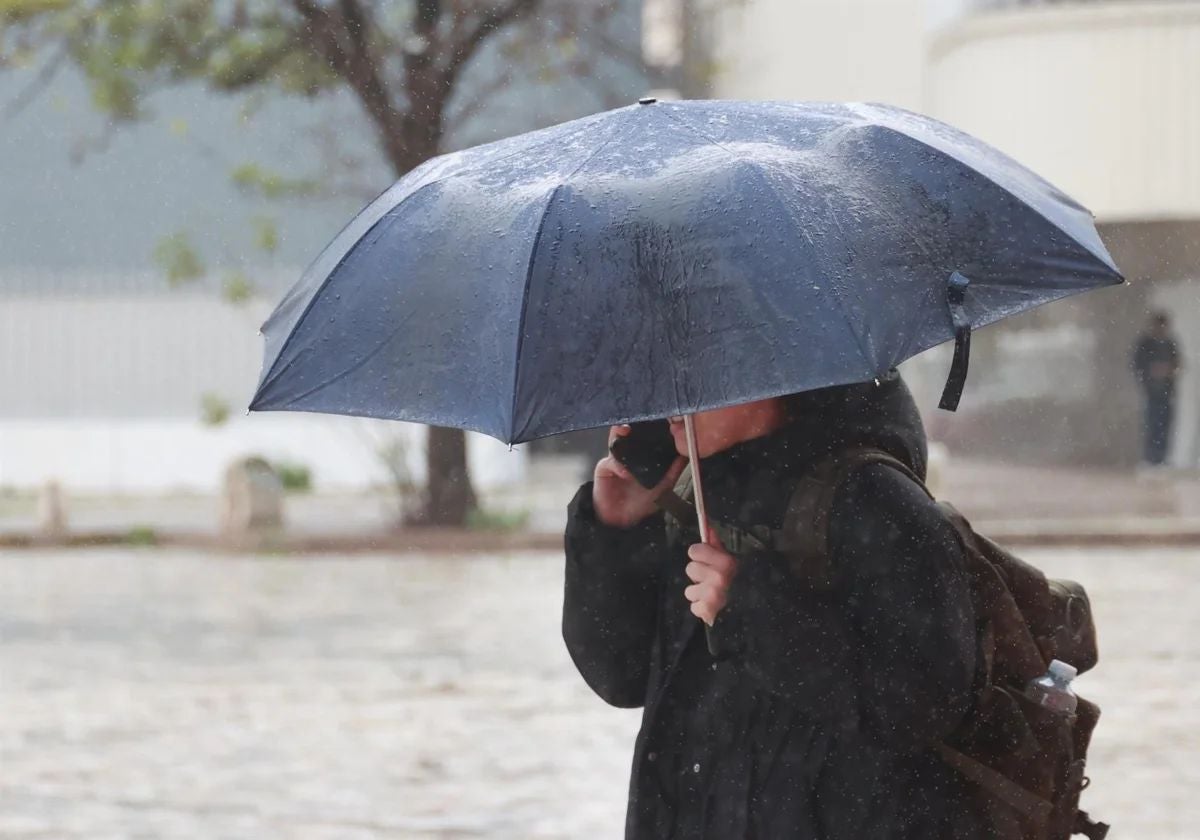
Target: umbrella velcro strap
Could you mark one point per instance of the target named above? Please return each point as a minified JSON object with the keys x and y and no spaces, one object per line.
{"x":956,"y":299}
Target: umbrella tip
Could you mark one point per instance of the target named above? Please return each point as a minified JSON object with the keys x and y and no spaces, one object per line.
{"x":647,"y":100}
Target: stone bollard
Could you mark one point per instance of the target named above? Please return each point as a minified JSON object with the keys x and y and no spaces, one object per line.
{"x":251,"y":505}
{"x":51,"y":513}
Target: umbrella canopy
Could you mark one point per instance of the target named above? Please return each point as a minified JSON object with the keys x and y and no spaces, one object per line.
{"x":667,"y":258}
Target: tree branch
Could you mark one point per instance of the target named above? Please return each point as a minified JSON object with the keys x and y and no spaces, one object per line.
{"x":366,"y":80}
{"x":465,"y":46}
{"x":39,"y":83}
{"x":352,"y":61}
{"x":612,"y":48}
{"x":256,"y":70}
{"x":480,"y":99}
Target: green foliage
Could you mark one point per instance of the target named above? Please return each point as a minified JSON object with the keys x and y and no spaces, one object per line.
{"x":127,"y":47}
{"x":257,"y":180}
{"x":214,"y":411}
{"x":237,"y":288}
{"x":18,"y":11}
{"x":266,"y":234}
{"x":142,"y":535}
{"x":295,"y":478}
{"x":494,"y":520}
{"x":178,"y":259}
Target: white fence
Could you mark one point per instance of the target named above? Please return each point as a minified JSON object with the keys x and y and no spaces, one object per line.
{"x":141,"y":456}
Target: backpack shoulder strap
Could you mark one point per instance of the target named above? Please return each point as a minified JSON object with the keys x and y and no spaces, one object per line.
{"x":677,"y":503}
{"x":804,"y":534}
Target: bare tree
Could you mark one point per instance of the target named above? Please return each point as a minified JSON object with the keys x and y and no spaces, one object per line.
{"x":402,"y":62}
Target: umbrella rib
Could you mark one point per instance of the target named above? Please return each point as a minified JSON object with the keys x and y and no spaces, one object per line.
{"x":1105,"y":261}
{"x":271,"y":375}
{"x":533,"y":250}
{"x":358,"y":364}
{"x":701,"y":134}
{"x":838,"y":301}
{"x":758,"y":167}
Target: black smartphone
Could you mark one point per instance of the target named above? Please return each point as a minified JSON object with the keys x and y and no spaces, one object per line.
{"x":647,"y":451}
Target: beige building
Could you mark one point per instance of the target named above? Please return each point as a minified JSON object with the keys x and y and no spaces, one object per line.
{"x":1102,"y":97}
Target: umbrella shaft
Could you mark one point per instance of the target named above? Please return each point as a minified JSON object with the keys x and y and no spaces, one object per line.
{"x":689,"y":428}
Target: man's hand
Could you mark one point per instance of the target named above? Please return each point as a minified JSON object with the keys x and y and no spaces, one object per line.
{"x":617,"y":497}
{"x":711,"y":570}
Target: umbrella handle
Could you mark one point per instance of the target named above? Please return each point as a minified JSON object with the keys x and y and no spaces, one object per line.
{"x":689,"y":428}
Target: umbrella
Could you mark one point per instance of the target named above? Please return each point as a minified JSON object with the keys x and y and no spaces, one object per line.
{"x":667,"y":258}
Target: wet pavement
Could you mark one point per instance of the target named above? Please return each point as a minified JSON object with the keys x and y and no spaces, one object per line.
{"x":147,"y":694}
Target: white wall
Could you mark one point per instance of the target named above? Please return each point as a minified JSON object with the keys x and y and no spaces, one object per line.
{"x":104,"y":353}
{"x":168,"y":455}
{"x":101,"y":386}
{"x":938,"y":13}
{"x":1100,"y":98}
{"x":861,"y":50}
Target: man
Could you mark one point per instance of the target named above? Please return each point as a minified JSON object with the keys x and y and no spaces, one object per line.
{"x":1156,"y":365}
{"x":816,"y":722}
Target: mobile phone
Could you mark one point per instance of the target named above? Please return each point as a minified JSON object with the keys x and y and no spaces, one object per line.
{"x":648,"y":451}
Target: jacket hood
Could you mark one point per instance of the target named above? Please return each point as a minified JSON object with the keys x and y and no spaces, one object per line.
{"x":742,"y":483}
{"x":880,"y":415}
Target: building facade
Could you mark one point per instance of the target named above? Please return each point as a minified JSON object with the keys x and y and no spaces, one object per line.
{"x":1101,"y":97}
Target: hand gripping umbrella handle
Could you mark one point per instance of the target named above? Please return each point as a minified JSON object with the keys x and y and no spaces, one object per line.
{"x":689,"y":428}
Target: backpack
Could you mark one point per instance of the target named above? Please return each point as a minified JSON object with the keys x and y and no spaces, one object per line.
{"x":1025,"y":763}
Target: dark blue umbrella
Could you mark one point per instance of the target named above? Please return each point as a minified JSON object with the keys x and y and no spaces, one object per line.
{"x":667,"y":258}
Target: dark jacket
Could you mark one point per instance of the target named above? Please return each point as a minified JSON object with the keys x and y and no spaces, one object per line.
{"x":1152,"y":350}
{"x":818,"y":724}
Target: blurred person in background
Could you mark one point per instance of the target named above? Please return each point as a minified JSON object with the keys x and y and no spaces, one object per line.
{"x":1156,"y":365}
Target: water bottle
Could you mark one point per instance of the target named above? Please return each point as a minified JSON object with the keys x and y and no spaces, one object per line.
{"x":1054,"y":689}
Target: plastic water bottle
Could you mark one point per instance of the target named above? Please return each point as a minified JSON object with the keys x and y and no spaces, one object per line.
{"x":1054,"y":689}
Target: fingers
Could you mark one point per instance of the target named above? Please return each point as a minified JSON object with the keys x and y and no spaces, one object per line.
{"x":706,"y":593}
{"x":707,"y":601}
{"x":672,"y":475}
{"x":615,"y":432}
{"x":705,"y":613}
{"x":701,"y":573}
{"x":711,"y":570}
{"x":712,"y":556}
{"x":695,"y":592}
{"x":611,"y":466}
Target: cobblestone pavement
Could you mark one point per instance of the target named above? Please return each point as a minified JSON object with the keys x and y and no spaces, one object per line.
{"x":172,"y":695}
